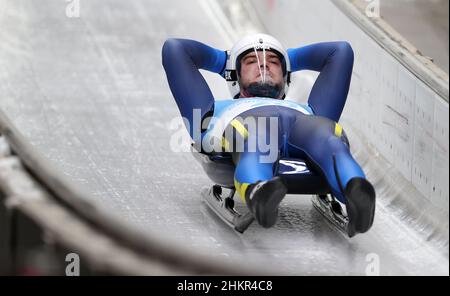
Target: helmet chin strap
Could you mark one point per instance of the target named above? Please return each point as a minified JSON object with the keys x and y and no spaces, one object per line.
{"x":264,"y":64}
{"x":263,"y":75}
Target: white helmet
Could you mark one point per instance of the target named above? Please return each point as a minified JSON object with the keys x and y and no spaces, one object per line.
{"x":254,"y":42}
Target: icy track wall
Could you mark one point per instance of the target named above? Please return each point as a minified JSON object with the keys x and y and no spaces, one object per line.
{"x":397,"y":106}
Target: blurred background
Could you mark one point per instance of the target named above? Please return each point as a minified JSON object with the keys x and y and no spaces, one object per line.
{"x":424,"y":23}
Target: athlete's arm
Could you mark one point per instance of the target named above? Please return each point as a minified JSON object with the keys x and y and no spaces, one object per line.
{"x":334,"y":61}
{"x":182,"y":60}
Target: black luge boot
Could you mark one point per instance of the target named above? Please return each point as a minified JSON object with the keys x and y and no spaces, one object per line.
{"x":263,"y":199}
{"x":360,"y":205}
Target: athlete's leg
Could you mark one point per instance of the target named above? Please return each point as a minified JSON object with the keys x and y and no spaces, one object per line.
{"x":324,"y":143}
{"x":255,"y":162}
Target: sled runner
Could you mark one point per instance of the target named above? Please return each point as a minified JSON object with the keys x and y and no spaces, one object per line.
{"x":295,"y":172}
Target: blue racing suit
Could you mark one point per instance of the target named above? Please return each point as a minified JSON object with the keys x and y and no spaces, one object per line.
{"x":310,"y":132}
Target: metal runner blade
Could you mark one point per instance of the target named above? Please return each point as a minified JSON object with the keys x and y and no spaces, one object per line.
{"x":324,"y":208}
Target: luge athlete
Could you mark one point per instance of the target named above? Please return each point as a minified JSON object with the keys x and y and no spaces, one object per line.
{"x":257,"y":70}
